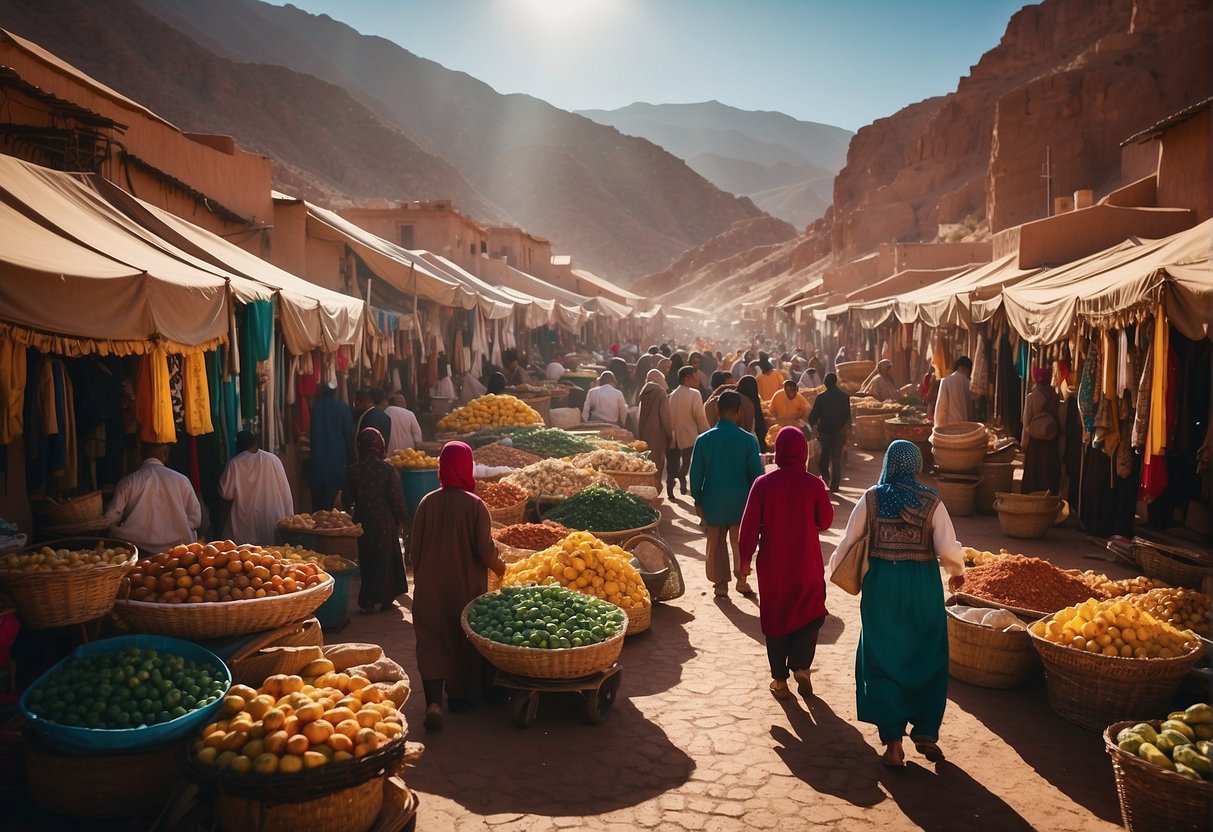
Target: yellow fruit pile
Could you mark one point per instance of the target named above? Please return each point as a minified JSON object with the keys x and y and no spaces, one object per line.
{"x":1125,"y":586}
{"x":1183,"y":608}
{"x":1180,"y":744}
{"x":47,"y":559}
{"x":976,"y":557}
{"x":1115,"y":628}
{"x":490,"y":411}
{"x":412,"y":458}
{"x":583,"y":562}
{"x":292,"y":723}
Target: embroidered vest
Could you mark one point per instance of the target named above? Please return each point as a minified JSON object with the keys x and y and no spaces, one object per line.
{"x":899,"y":538}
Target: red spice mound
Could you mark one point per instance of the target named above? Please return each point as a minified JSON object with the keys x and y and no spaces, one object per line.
{"x":531,"y":535}
{"x":1027,"y":583}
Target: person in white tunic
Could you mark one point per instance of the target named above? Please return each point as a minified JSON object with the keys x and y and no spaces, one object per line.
{"x":406,"y":431}
{"x":255,"y":482}
{"x":955,"y":402}
{"x":605,"y":403}
{"x":154,"y":506}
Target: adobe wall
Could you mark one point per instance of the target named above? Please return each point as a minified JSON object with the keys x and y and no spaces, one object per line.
{"x":1066,"y":237}
{"x":1184,"y":176}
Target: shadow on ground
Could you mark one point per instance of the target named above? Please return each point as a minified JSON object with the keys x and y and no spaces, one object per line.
{"x":948,"y":799}
{"x":820,"y":750}
{"x":661,"y":652}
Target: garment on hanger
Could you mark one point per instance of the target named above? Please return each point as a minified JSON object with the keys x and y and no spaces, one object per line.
{"x":154,"y":399}
{"x":13,"y":368}
{"x":196,"y":397}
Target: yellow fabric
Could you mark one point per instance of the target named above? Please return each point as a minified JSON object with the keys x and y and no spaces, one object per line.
{"x":46,"y":395}
{"x":154,"y":400}
{"x":784,"y":409}
{"x":1156,"y":440}
{"x":12,"y":389}
{"x":769,"y":384}
{"x":72,"y":347}
{"x":1107,"y":391}
{"x":196,"y":394}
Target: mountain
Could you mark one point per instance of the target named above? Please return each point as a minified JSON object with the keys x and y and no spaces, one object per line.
{"x":621,"y":205}
{"x":1076,"y":76}
{"x":784,"y":165}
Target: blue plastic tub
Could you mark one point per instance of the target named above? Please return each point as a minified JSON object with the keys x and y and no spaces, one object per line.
{"x":417,"y":483}
{"x":71,"y":738}
{"x":335,"y":612}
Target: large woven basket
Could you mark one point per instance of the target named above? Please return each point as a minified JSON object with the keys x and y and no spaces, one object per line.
{"x":625,"y":534}
{"x":352,"y":809}
{"x":510,"y":514}
{"x":1029,"y":523}
{"x":958,"y":494}
{"x":894,"y":428}
{"x":995,"y":477}
{"x":626,"y":479}
{"x":854,"y":372}
{"x":227,"y":618}
{"x":961,"y":435}
{"x":58,"y":599}
{"x":106,"y":785}
{"x":70,"y":512}
{"x":958,"y":460}
{"x":1092,"y":690}
{"x":1170,"y":564}
{"x":639,"y":619}
{"x":674,"y":585}
{"x":1153,"y":799}
{"x":869,"y":432}
{"x":990,"y":658}
{"x":543,"y":663}
{"x":285,"y":649}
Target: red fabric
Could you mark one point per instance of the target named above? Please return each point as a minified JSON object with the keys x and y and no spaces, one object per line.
{"x":455,"y":467}
{"x":1040,"y":374}
{"x":786,"y":511}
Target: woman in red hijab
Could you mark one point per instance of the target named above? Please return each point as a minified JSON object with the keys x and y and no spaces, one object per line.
{"x":376,"y":499}
{"x":452,"y":549}
{"x":784,"y":514}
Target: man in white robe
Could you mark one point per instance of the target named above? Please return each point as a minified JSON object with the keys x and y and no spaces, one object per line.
{"x":406,"y":431}
{"x":255,"y":483}
{"x":154,"y":506}
{"x":955,"y":402}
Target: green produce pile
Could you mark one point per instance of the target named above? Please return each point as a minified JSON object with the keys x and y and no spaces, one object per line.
{"x":544,"y":617}
{"x":598,"y":508}
{"x":128,"y":688}
{"x":1182,"y":744}
{"x":487,"y":436}
{"x":551,"y":442}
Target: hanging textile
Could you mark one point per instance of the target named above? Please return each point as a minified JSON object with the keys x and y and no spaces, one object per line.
{"x":1107,"y":415}
{"x":1141,"y":415}
{"x":980,"y":383}
{"x":196,"y":394}
{"x":1124,"y":369}
{"x":1087,"y":389}
{"x":154,"y":399}
{"x":1154,"y":477}
{"x":12,"y":389}
{"x":68,"y":473}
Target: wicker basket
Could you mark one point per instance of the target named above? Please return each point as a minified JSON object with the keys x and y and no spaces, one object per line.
{"x":541,"y":405}
{"x":543,"y":663}
{"x":870,"y":433}
{"x":510,"y":514}
{"x":1092,"y":690}
{"x":1029,"y":524}
{"x":651,"y":495}
{"x":1034,"y":501}
{"x":674,"y":585}
{"x":1168,"y":564}
{"x":995,"y":477}
{"x":854,"y":372}
{"x":639,"y":619}
{"x":958,"y":460}
{"x":70,"y":512}
{"x":219,"y":620}
{"x":284,"y":650}
{"x":961,"y":435}
{"x":354,"y":809}
{"x":1005,"y":453}
{"x":101,"y":785}
{"x":958,"y":494}
{"x":1153,"y":799}
{"x":894,"y":428}
{"x":990,"y":658}
{"x":625,"y":534}
{"x":58,"y":599}
{"x":625,"y":479}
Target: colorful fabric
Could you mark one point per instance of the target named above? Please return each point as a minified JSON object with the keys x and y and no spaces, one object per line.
{"x":1088,"y":381}
{"x":154,"y":400}
{"x":455,"y":466}
{"x":898,"y":490}
{"x":196,"y":394}
{"x":12,"y":390}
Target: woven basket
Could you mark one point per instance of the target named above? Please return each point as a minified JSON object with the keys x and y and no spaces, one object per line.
{"x":101,"y":785}
{"x":990,"y":658}
{"x":284,"y":650}
{"x":219,"y":620}
{"x":639,"y":619}
{"x":961,"y":435}
{"x":995,"y":477}
{"x":1159,"y":563}
{"x":1004,"y":454}
{"x":1029,"y":524}
{"x":1092,"y":690}
{"x":869,"y":432}
{"x":651,"y":495}
{"x":625,"y":479}
{"x":1153,"y":799}
{"x":1034,"y":501}
{"x":854,"y":372}
{"x":541,"y":405}
{"x":69,"y":512}
{"x":354,"y":809}
{"x":58,"y":599}
{"x":674,"y":585}
{"x":543,"y":663}
{"x":625,"y":534}
{"x":958,"y":494}
{"x":958,"y":461}
{"x":894,"y":428}
{"x":510,"y":514}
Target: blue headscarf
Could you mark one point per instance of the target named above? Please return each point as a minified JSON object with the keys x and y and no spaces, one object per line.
{"x":897,"y":489}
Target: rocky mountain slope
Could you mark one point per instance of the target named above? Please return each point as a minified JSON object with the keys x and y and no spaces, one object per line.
{"x":784,"y":165}
{"x":621,"y":205}
{"x":1077,"y":76}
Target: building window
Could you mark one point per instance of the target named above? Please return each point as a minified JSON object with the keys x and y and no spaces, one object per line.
{"x":406,"y":236}
{"x":472,"y":249}
{"x":484,"y":247}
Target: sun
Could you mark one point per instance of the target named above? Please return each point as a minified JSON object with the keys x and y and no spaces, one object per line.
{"x":566,"y":16}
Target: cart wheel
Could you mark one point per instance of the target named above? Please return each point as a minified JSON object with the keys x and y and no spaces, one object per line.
{"x":524,"y":706}
{"x":598,"y":703}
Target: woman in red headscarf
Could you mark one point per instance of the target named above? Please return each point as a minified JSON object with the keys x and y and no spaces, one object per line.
{"x":452,"y":548}
{"x":1041,"y":439}
{"x":376,"y":498}
{"x":785,"y":512}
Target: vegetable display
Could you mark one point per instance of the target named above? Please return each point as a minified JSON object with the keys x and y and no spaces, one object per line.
{"x":607,"y":460}
{"x":47,"y":559}
{"x":584,"y":563}
{"x":556,"y":478}
{"x":498,"y":495}
{"x":490,"y":410}
{"x":543,"y":617}
{"x":496,"y":455}
{"x":599,"y":508}
{"x":551,"y":442}
{"x":128,"y":688}
{"x":218,"y":572}
{"x":333,"y":519}
{"x":531,"y":535}
{"x":1181,"y":744}
{"x":1115,"y":628}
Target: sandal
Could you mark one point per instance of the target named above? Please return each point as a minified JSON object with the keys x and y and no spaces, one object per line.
{"x":779,"y":689}
{"x":928,"y":748}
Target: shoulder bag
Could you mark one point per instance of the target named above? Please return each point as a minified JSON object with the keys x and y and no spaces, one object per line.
{"x":848,"y":573}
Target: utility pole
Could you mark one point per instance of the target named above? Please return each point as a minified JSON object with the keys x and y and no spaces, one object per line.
{"x":1047,"y":175}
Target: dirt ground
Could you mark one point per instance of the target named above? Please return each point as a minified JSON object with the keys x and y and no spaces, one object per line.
{"x":697,"y":742}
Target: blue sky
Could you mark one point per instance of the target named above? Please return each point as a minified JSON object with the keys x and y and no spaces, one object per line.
{"x":839,"y":62}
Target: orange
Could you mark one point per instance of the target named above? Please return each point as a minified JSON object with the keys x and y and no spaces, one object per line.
{"x":318,"y":732}
{"x":297,"y":744}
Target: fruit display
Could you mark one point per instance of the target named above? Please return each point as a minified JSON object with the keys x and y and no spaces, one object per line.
{"x":583,"y":563}
{"x":333,"y":520}
{"x":551,"y":442}
{"x":977,"y":557}
{"x":1183,"y":743}
{"x":294,"y":723}
{"x":490,"y":410}
{"x":329,"y":563}
{"x":556,"y":478}
{"x":1115,"y":627}
{"x":218,"y":572}
{"x":499,"y":495}
{"x":1125,"y":586}
{"x":496,"y":455}
{"x":1185,"y":609}
{"x":607,"y":460}
{"x":131,"y":687}
{"x":47,"y":559}
{"x":533,"y":536}
{"x":601,"y":508}
{"x":636,"y":446}
{"x":543,"y":617}
{"x":1026,"y":583}
{"x":872,"y":403}
{"x":412,"y":458}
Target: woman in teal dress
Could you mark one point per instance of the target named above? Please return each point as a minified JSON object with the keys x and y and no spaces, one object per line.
{"x":901,"y":666}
